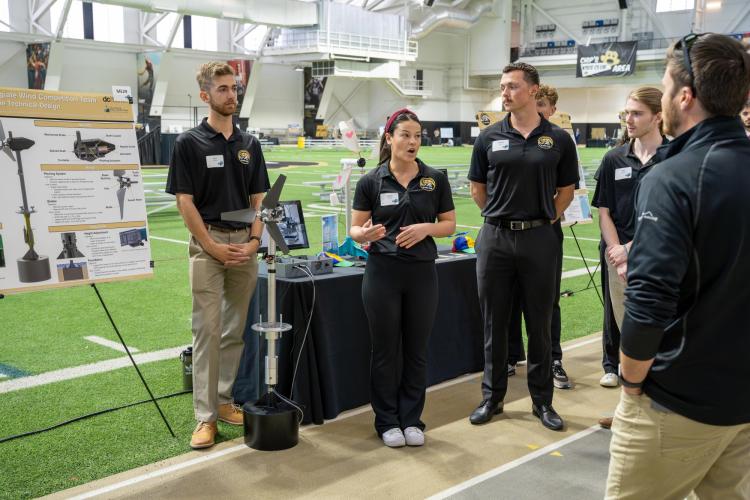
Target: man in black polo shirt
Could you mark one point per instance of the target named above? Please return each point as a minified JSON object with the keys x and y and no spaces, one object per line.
{"x":216,"y":168}
{"x":523,"y":172}
{"x":683,"y":420}
{"x":620,"y":170}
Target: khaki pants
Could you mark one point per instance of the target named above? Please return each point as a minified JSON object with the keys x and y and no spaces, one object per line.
{"x":616,"y":295}
{"x":658,"y":454}
{"x":221,"y":296}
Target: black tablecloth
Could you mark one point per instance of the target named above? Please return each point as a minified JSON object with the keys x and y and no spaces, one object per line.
{"x":333,"y":373}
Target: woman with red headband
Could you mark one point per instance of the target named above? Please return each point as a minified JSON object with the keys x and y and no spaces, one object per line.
{"x":399,"y":207}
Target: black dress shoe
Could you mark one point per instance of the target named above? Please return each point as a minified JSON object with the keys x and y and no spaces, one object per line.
{"x":485,"y":411}
{"x":549,"y":417}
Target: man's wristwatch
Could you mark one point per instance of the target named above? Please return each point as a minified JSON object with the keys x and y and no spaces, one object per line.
{"x":630,"y":385}
{"x":254,"y":238}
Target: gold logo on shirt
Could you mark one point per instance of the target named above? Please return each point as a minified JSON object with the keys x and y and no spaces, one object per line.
{"x":244,"y":156}
{"x":427,"y":183}
{"x":545,"y":142}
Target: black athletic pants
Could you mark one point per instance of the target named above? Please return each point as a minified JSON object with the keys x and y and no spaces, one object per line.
{"x":523,"y":263}
{"x":610,"y":332}
{"x":515,"y":340}
{"x":400,"y":299}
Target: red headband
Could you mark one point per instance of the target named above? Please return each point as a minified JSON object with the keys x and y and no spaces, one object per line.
{"x":395,"y":115}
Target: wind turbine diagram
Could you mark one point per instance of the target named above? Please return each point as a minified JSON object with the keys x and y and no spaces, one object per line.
{"x":125,"y":183}
{"x":91,"y":149}
{"x":32,"y":267}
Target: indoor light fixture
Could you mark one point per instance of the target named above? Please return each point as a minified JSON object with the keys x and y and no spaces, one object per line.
{"x":716,"y":5}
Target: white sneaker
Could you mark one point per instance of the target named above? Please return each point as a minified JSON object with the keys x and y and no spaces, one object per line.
{"x":394,"y":438}
{"x":414,"y":436}
{"x":609,"y":380}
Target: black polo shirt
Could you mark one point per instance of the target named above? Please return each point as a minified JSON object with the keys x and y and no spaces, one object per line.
{"x":221,"y":174}
{"x":619,"y":173}
{"x":522,"y":175}
{"x":394,"y":206}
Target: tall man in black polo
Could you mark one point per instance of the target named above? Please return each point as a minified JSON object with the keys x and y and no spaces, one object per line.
{"x":216,"y":168}
{"x":523,"y":172}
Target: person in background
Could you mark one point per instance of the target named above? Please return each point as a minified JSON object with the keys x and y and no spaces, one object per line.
{"x":745,"y":117}
{"x":620,"y":171}
{"x":399,"y":207}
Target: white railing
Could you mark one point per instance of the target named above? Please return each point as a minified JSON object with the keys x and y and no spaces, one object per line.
{"x":315,"y":39}
{"x":339,"y":144}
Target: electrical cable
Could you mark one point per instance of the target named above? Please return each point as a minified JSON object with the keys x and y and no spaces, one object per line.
{"x":306,"y":270}
{"x":291,"y":403}
{"x":94,"y":414}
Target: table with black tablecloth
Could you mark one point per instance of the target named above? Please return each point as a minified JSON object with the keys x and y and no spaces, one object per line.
{"x":334,"y":369}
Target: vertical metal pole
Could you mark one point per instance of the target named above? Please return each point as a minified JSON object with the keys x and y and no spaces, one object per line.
{"x":271,"y":336}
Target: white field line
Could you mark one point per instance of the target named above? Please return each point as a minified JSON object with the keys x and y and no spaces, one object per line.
{"x":573,"y":257}
{"x":515,"y":463}
{"x":577,"y":272}
{"x":169,"y":240}
{"x":164,"y":206}
{"x":110,"y":343}
{"x":351,"y":413}
{"x":90,"y":369}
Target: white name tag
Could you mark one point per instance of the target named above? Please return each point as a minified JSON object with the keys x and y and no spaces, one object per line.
{"x":623,"y":173}
{"x":388,"y":199}
{"x":501,"y":145}
{"x":215,"y":161}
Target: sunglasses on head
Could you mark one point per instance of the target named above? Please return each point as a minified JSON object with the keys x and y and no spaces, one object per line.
{"x":685,"y":44}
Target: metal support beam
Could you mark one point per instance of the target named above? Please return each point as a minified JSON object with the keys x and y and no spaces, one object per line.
{"x":559,"y":25}
{"x":266,"y":37}
{"x":241,"y":33}
{"x":173,"y":31}
{"x":699,"y":9}
{"x":737,"y":20}
{"x":342,"y":105}
{"x":41,"y":28}
{"x":42,"y":10}
{"x":651,"y":15}
{"x":63,"y":19}
{"x":151,"y":24}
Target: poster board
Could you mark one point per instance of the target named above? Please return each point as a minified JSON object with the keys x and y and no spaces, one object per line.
{"x":72,"y":210}
{"x":579,"y":210}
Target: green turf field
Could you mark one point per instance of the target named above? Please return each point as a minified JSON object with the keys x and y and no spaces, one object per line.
{"x":45,"y":331}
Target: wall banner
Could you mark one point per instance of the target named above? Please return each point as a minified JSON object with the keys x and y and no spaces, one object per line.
{"x":606,"y":59}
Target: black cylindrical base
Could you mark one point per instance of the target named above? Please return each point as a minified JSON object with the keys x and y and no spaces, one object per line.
{"x":270,"y":424}
{"x":32,"y":271}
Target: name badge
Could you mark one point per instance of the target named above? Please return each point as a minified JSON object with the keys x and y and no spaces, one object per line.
{"x":215,"y":161}
{"x":623,"y":173}
{"x":388,"y":199}
{"x":500,"y":145}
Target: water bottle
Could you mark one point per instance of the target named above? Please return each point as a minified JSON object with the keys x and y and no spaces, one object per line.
{"x":186,"y":357}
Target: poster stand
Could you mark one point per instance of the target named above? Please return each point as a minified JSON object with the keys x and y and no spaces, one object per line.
{"x":135,"y":365}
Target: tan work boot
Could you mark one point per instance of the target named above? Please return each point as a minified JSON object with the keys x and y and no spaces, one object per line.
{"x":230,"y":413}
{"x":203,"y":435}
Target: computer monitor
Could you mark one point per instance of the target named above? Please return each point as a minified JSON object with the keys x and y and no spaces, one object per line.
{"x":292,"y":227}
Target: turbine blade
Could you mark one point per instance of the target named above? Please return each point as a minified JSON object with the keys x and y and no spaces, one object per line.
{"x":246,"y":215}
{"x":275,"y":233}
{"x":272,"y":197}
{"x":121,"y":201}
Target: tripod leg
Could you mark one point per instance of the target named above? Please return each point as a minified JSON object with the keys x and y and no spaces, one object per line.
{"x":122,"y":341}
